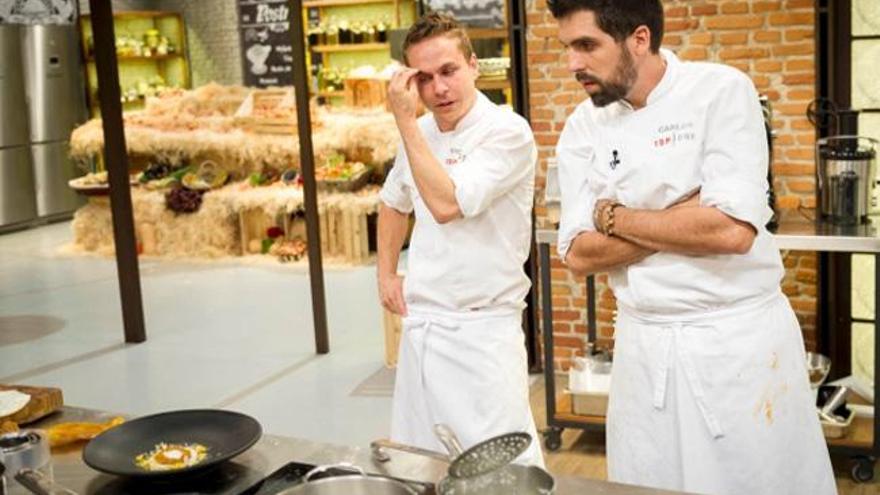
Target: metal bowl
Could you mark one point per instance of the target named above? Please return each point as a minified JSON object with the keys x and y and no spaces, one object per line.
{"x":818,"y":367}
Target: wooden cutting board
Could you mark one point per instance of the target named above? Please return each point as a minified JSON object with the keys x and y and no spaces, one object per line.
{"x":44,"y":401}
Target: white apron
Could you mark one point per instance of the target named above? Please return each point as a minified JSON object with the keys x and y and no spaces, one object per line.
{"x":468,"y":371}
{"x":721,"y":405}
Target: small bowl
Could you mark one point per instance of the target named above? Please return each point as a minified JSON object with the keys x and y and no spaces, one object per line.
{"x":818,"y":367}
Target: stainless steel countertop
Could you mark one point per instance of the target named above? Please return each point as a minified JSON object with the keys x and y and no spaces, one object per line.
{"x":269,"y":454}
{"x":797,"y":233}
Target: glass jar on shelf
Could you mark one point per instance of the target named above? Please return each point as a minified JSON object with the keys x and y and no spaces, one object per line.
{"x":151,"y":41}
{"x":344,"y":32}
{"x":332,"y":32}
{"x":382,"y":30}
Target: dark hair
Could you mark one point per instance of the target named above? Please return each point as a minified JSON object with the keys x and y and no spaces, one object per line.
{"x":438,"y":24}
{"x":619,"y":18}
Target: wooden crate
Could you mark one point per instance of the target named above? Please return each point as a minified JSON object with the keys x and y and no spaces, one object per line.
{"x":253,"y":224}
{"x":393,"y":326}
{"x":365,"y":93}
{"x":268,"y":111}
{"x":345,"y":234}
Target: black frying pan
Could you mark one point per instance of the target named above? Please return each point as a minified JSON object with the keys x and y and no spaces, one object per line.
{"x":226,"y":434}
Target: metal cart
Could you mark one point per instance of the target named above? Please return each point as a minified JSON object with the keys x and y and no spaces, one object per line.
{"x":862,"y":441}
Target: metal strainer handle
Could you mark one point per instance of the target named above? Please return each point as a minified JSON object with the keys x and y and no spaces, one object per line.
{"x":449,"y":440}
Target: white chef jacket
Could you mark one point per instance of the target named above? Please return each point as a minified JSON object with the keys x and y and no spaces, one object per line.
{"x":701,"y":128}
{"x":475,"y":262}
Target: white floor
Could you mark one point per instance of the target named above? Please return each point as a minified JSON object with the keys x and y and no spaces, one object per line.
{"x":226,"y":334}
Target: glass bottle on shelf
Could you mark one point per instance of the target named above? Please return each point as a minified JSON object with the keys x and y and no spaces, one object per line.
{"x":382,"y":31}
{"x":332,"y":32}
{"x":344,"y":32}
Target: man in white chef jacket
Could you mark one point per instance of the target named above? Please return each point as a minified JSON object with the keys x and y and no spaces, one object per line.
{"x":663,"y":179}
{"x":466,"y":170}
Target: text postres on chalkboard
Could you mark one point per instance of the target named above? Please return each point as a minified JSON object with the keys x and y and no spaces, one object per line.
{"x":266,"y":50}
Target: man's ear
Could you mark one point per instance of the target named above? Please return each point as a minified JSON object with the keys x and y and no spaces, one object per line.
{"x":641,"y":40}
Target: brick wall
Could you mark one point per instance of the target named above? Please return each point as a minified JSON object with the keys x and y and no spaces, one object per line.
{"x":770,"y":40}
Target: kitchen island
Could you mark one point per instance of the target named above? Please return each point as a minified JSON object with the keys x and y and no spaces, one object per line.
{"x":270,"y":453}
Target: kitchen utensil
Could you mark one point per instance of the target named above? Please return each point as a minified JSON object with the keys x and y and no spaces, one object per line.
{"x":25,"y":457}
{"x":356,"y":483}
{"x":225,"y":434}
{"x":44,"y":401}
{"x":512,"y":479}
{"x":846,"y":177}
{"x":483,"y":457}
{"x":818,"y":367}
{"x":836,"y":400}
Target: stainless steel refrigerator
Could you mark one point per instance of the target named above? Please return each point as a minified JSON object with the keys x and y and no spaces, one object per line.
{"x":17,"y":192}
{"x":53,"y":79}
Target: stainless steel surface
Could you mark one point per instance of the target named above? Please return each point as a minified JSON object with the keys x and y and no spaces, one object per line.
{"x":17,"y":197}
{"x":380,"y":447}
{"x":798,"y":233}
{"x":40,"y":484}
{"x":272,"y":452}
{"x":53,"y":168}
{"x":845,"y":176}
{"x":355,"y":484}
{"x":13,"y":106}
{"x":53,"y":78}
{"x":513,"y":479}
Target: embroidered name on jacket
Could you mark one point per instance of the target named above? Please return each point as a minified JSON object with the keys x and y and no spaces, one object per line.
{"x":455,"y":157}
{"x":673,"y":134}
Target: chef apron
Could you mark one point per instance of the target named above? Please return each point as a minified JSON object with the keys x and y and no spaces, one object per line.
{"x":467,"y":370}
{"x":720,"y":404}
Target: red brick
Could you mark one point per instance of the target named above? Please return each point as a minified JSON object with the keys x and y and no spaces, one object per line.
{"x":733,"y":38}
{"x":806,"y":276}
{"x":734,"y":22}
{"x":799,"y":34}
{"x":791,"y":18}
{"x":768,"y":65}
{"x":680,"y":25}
{"x":544,"y":31}
{"x":694,"y":54}
{"x":571,"y":341}
{"x":701,"y":39}
{"x":799,"y":4}
{"x":801,"y":185}
{"x":735,"y":8}
{"x":791,"y":169}
{"x":767,"y":36}
{"x":742,"y":53}
{"x":566,"y":315}
{"x":799,"y":78}
{"x":676,"y":12}
{"x":704,"y":10}
{"x":793,"y":49}
{"x":805,"y":153}
{"x":787,"y":202}
{"x":761,"y":7}
{"x":672,"y":40}
{"x":801,"y":95}
{"x":802,"y":64}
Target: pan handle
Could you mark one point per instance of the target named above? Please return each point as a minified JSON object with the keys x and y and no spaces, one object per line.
{"x":449,"y":440}
{"x":37,"y":483}
{"x":342,"y":465}
{"x":379,"y":446}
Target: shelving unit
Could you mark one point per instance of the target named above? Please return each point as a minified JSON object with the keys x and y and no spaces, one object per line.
{"x":360,"y":47}
{"x":134,"y":69}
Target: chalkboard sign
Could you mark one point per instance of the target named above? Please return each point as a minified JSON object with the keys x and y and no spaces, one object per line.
{"x":472,"y":13}
{"x":266,"y":49}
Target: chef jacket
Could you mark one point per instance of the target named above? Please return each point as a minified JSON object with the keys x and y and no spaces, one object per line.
{"x":475,"y":262}
{"x":702,"y":129}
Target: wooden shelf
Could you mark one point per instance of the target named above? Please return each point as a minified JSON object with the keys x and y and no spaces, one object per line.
{"x":333,"y":3}
{"x":493,"y":83}
{"x":860,"y":434}
{"x":564,"y":412}
{"x":360,"y":47}
{"x":486,"y":33}
{"x":331,"y":94}
{"x":91,"y":58}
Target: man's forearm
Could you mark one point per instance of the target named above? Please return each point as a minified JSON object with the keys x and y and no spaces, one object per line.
{"x":434,"y":184}
{"x":391,"y":233}
{"x":592,"y":252}
{"x":696,"y":230}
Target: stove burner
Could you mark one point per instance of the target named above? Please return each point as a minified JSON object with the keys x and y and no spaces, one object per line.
{"x":291,"y":474}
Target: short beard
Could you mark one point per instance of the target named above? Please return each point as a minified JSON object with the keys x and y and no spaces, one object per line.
{"x":618,"y":87}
